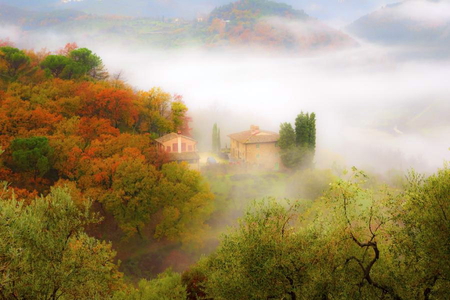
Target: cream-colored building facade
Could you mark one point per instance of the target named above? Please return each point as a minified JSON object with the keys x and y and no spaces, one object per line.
{"x":180,"y":148}
{"x":256,"y":147}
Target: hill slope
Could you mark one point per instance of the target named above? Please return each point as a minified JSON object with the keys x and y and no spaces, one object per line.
{"x":259,"y":23}
{"x":412,"y":23}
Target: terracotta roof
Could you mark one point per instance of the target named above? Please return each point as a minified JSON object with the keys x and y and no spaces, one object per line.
{"x":172,"y":136}
{"x":184,"y":156}
{"x":255,"y":136}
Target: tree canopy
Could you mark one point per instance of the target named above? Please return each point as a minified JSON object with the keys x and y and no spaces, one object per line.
{"x":45,"y":253}
{"x":298,"y":146}
{"x":356,"y":242}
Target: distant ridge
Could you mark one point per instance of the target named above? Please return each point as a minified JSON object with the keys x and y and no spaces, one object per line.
{"x":245,"y":23}
{"x":408,"y":23}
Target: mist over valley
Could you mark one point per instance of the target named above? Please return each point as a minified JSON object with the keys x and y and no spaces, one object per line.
{"x":218,"y":149}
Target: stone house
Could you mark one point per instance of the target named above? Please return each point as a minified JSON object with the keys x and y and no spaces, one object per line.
{"x":180,"y":148}
{"x":256,"y":147}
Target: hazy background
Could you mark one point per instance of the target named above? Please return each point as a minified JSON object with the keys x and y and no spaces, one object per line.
{"x":336,"y":12}
{"x":380,"y":105}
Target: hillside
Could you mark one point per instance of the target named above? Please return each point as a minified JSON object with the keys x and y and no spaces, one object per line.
{"x":243,"y":23}
{"x":272,"y":24}
{"x":414,"y":23}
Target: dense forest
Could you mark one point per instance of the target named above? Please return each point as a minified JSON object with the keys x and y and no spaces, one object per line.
{"x":86,"y":191}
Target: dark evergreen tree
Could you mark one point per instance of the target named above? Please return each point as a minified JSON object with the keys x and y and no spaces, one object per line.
{"x":32,"y":155}
{"x":297,"y":147}
{"x":219,"y":146}
{"x":214,"y":138}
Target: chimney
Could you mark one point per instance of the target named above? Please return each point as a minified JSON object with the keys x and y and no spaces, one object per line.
{"x":254,"y":129}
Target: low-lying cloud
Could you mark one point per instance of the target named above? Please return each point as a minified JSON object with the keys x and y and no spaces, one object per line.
{"x":376,"y":108}
{"x":424,"y":10}
{"x":373,"y":110}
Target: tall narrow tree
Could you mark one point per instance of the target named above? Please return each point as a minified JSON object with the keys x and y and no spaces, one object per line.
{"x":214,"y":138}
{"x":312,"y":132}
{"x":298,"y":147}
{"x":219,"y":146}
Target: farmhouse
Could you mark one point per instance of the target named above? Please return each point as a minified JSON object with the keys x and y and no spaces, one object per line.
{"x":180,"y":148}
{"x":256,"y":147}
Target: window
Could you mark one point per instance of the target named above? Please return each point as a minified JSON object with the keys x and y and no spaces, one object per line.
{"x":168,"y":148}
{"x":175,"y":147}
{"x":183,"y":147}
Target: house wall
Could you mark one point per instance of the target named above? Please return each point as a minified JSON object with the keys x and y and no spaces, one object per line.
{"x":237,"y":150}
{"x":266,"y":155}
{"x":169,"y":145}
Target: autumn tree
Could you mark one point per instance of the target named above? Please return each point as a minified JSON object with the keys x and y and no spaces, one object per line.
{"x":161,"y":113}
{"x":179,"y":110}
{"x":115,"y":105}
{"x":69,"y":47}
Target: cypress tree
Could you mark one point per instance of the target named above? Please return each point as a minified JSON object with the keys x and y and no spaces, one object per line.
{"x":219,"y":147}
{"x":214,"y":138}
{"x":312,"y":132}
{"x":301,"y":129}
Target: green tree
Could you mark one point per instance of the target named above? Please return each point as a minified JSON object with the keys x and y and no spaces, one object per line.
{"x":32,"y":155}
{"x":297,"y":147}
{"x":287,"y":136}
{"x":45,"y":253}
{"x":262,"y":259}
{"x":167,"y":286}
{"x":91,"y":63}
{"x":355,"y":242}
{"x":214,"y":138}
{"x":132,"y":199}
{"x":421,"y":249}
{"x":219,"y":146}
{"x":80,"y":62}
{"x":61,"y":66}
{"x":13,"y":63}
{"x":305,"y":130}
{"x":216,"y":147}
{"x":186,"y":203}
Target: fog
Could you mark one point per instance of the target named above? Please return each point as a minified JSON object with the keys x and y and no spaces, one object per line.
{"x":425,"y":11}
{"x":377,"y":108}
{"x":372,"y":109}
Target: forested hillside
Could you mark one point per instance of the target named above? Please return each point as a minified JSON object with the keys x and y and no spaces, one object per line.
{"x":256,"y":23}
{"x":270,"y":24}
{"x":421,"y":24}
{"x":89,"y":204}
{"x":70,"y":132}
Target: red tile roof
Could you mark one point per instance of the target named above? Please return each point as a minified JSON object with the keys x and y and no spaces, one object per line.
{"x":255,"y":137}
